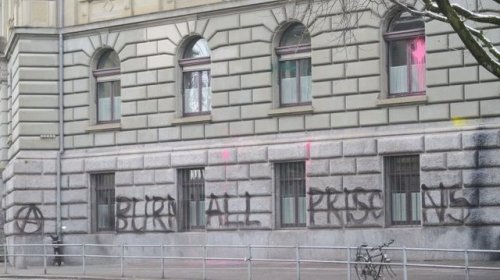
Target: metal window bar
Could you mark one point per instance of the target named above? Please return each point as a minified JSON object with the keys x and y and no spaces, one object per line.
{"x":291,"y":182}
{"x":403,"y":179}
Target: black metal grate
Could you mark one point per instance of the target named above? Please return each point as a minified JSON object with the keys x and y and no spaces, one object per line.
{"x":104,"y":185}
{"x":290,"y":182}
{"x":192,"y":198}
{"x":403,"y":185}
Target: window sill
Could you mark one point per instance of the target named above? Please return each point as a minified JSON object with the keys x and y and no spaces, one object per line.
{"x":402,"y":100}
{"x":192,"y":119}
{"x":297,"y":110}
{"x":104,"y":127}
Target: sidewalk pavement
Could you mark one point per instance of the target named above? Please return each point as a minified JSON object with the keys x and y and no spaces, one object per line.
{"x":232,"y":270}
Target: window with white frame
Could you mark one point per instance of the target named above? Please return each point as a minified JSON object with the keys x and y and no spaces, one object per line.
{"x":196,"y":89}
{"x":402,"y":178}
{"x":294,"y":55}
{"x":405,"y":39}
{"x":291,"y":193}
{"x":192,"y":198}
{"x":107,"y":76}
{"x":103,"y":202}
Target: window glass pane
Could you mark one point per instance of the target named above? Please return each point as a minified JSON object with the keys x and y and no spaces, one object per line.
{"x":192,"y":200}
{"x":104,"y":201}
{"x":197,"y":48}
{"x":398,"y":69}
{"x":288,"y":73}
{"x":305,"y":80}
{"x":291,"y":183}
{"x":206,"y":90}
{"x":104,"y":91}
{"x":287,"y":210}
{"x":406,"y":21}
{"x":117,"y":101}
{"x":402,"y":175}
{"x":191,"y":92}
{"x":416,"y":204}
{"x":398,"y":207}
{"x":296,"y":34}
{"x":302,"y":210}
{"x":417,"y":46}
{"x":108,"y":59}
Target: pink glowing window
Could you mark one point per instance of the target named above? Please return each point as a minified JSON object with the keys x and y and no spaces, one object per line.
{"x":406,"y":55}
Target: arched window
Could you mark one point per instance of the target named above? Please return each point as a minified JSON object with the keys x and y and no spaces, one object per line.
{"x":196,"y":90}
{"x":294,"y":55}
{"x":405,"y":40}
{"x":107,"y":76}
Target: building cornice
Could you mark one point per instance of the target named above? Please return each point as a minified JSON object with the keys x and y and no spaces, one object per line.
{"x":171,"y":16}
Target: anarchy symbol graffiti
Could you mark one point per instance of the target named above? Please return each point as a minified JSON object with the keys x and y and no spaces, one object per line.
{"x":29,"y":219}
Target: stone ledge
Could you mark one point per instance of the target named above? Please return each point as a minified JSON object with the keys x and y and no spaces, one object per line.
{"x":296,"y":110}
{"x":104,"y":127}
{"x":193,"y":119}
{"x":402,"y":100}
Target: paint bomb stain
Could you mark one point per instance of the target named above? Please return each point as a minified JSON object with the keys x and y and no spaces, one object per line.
{"x":225,"y":154}
{"x":418,"y":59}
{"x":459,"y":121}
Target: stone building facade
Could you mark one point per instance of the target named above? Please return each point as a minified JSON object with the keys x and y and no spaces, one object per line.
{"x":337,"y":167}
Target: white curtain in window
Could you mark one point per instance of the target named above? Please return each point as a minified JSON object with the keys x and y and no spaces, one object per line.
{"x":288,"y":210}
{"x":289,"y":90}
{"x":104,"y":109}
{"x":418,"y":78}
{"x":398,"y":79}
{"x":398,"y":207}
{"x":305,"y":88}
{"x":416,"y":205}
{"x":191,"y":100}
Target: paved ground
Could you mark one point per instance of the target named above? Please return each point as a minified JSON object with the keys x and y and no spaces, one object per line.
{"x":231,"y":270}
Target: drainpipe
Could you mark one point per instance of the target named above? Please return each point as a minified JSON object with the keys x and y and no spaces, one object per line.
{"x":60,"y":25}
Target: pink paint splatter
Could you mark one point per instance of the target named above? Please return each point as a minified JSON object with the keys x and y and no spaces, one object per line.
{"x":225,"y":154}
{"x":418,"y":59}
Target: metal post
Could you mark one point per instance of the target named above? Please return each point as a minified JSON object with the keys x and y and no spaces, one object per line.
{"x":348,"y":263}
{"x":466,"y":264}
{"x":297,"y":262}
{"x":405,"y":262}
{"x":83,"y":259}
{"x":249,"y":264}
{"x":122,"y":256}
{"x":162,"y":262}
{"x":5,"y":256}
{"x":204,"y":262}
{"x":44,"y":259}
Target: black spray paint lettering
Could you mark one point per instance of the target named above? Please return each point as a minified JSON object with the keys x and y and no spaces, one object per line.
{"x":440,"y":201}
{"x":156,"y":208}
{"x":358,"y":205}
{"x":29,"y":219}
{"x":215,"y":211}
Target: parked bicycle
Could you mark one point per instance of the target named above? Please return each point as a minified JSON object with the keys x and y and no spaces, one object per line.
{"x":373,"y":263}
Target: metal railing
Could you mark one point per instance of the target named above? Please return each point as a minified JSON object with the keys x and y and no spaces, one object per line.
{"x":249,"y":257}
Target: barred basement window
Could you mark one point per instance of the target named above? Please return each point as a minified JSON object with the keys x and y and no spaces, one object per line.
{"x":103,"y":202}
{"x":291,"y":193}
{"x":192,"y":199}
{"x":402,"y":176}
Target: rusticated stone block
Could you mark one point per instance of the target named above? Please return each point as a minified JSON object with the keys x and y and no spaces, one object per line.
{"x":443,"y":142}
{"x":326,"y":149}
{"x":404,"y":144}
{"x":362,"y":147}
{"x":222,"y":156}
{"x":287,"y":152}
{"x":434,"y":161}
{"x":252,"y":154}
{"x":342,"y":166}
{"x":189,"y":158}
{"x":368,"y":165}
